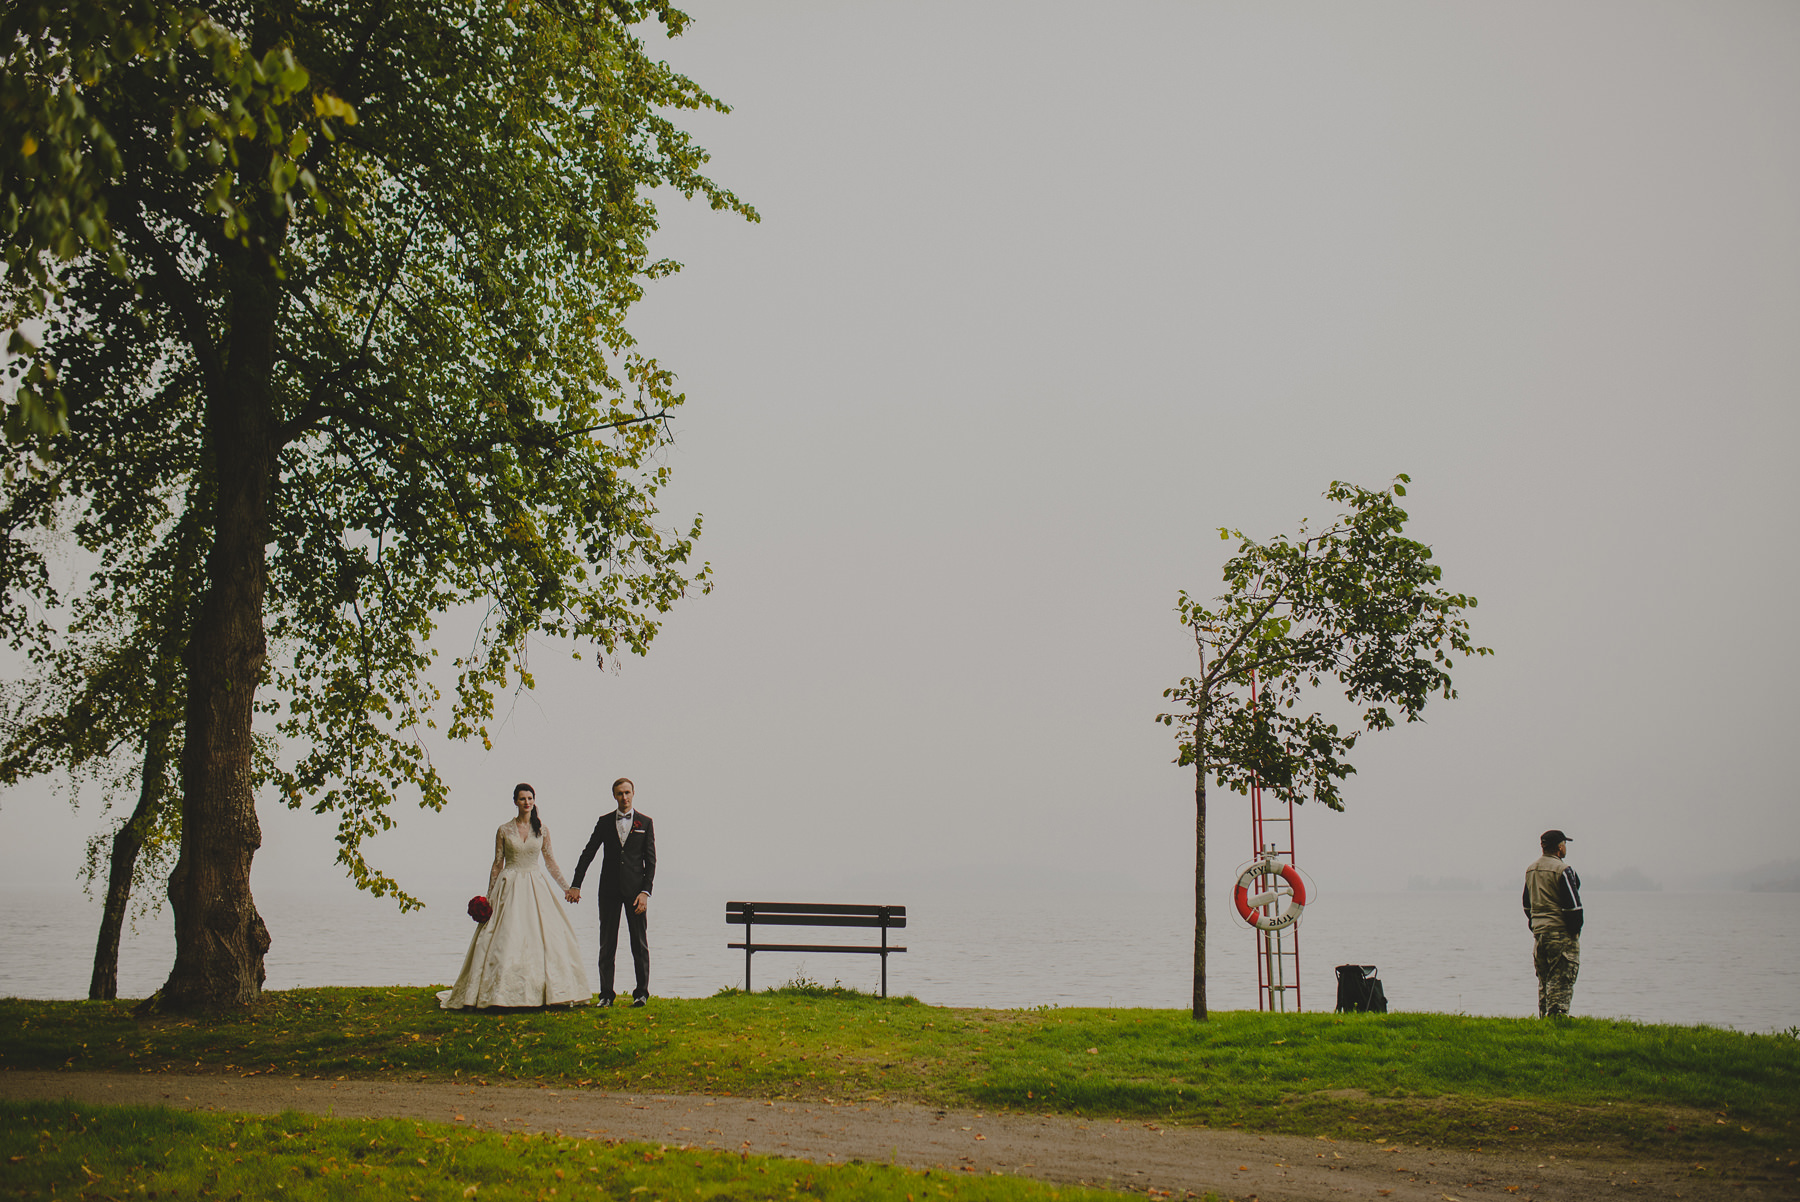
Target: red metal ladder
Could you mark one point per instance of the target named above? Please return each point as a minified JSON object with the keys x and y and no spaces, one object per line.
{"x":1277,"y":952}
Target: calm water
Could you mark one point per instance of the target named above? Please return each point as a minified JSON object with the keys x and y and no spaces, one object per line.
{"x":1728,"y":959}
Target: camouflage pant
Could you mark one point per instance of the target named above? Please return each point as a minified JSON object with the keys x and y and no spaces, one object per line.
{"x":1557,"y":960}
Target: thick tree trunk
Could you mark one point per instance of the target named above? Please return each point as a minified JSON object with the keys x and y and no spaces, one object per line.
{"x":220,"y":939}
{"x":127,"y":841}
{"x":1200,"y":890}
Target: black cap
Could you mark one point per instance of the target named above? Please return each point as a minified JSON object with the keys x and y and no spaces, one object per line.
{"x":1550,"y":839}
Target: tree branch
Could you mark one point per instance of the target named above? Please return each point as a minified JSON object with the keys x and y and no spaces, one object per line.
{"x":1224,"y":656}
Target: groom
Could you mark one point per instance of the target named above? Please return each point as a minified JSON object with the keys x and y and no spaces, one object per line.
{"x":627,"y":872}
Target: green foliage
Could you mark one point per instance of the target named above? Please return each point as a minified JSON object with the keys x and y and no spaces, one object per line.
{"x":105,"y":706}
{"x":1356,"y":603}
{"x":1442,"y":1078}
{"x":418,"y":226}
{"x":140,"y":1151}
{"x":61,"y":155}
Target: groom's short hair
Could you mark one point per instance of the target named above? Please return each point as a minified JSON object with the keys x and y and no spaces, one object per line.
{"x":623,"y":780}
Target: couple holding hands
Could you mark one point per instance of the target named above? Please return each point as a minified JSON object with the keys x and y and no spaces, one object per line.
{"x":526,"y":953}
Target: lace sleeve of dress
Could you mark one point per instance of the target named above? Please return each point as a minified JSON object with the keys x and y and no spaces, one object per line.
{"x":499,"y":859}
{"x":550,"y":863}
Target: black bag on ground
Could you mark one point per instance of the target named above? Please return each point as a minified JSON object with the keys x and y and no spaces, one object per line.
{"x":1360,"y":989}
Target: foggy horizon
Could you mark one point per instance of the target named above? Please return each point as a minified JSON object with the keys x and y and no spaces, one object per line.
{"x":1039,"y":301}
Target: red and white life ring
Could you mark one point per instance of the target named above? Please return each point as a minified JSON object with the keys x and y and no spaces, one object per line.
{"x":1249,"y":907}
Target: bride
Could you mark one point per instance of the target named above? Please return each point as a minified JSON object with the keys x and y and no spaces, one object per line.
{"x":526,"y":953}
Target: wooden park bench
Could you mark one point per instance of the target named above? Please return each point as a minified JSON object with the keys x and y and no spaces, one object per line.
{"x":751,"y":915}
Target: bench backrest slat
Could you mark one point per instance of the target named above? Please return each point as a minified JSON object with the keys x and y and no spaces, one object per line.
{"x":761,"y":908}
{"x":813,"y":920}
{"x":813,"y":914}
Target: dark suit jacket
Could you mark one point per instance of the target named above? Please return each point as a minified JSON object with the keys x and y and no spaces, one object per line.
{"x":626,"y":869}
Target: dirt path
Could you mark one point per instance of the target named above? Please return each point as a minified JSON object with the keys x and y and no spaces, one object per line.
{"x":1122,"y":1155}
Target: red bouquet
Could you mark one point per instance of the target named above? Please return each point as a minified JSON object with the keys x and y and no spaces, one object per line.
{"x":479,"y":909}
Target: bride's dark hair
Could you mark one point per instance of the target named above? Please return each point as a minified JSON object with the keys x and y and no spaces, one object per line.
{"x":537,"y":828}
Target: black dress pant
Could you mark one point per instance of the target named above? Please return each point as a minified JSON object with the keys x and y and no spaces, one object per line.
{"x":638,"y":925}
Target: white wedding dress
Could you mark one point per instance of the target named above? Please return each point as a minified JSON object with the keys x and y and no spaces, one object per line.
{"x":526,"y":953}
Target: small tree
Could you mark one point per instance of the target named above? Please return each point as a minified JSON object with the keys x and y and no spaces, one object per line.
{"x":105,"y":708}
{"x":1357,"y":603}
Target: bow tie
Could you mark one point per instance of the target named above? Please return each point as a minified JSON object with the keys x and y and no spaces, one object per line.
{"x":625,"y":816}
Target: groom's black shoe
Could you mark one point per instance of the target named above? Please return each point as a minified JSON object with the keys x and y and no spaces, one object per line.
{"x":603,"y":1002}
{"x":640,"y":1001}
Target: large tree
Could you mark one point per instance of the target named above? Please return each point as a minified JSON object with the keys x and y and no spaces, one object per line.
{"x":344,"y":287}
{"x":1356,"y":604}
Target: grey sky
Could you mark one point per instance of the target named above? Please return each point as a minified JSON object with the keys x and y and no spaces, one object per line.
{"x":1045,"y":293}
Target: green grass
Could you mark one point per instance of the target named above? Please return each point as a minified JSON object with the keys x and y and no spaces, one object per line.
{"x":1579,"y":1085}
{"x":53,"y":1149}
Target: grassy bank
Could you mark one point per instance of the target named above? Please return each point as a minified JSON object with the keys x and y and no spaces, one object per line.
{"x":1579,"y":1086}
{"x":151,"y":1153}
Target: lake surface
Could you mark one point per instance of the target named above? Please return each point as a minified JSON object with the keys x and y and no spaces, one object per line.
{"x":1726,"y":959}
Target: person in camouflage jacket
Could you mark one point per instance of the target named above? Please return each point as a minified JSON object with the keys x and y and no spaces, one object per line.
{"x":1552,"y":901}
